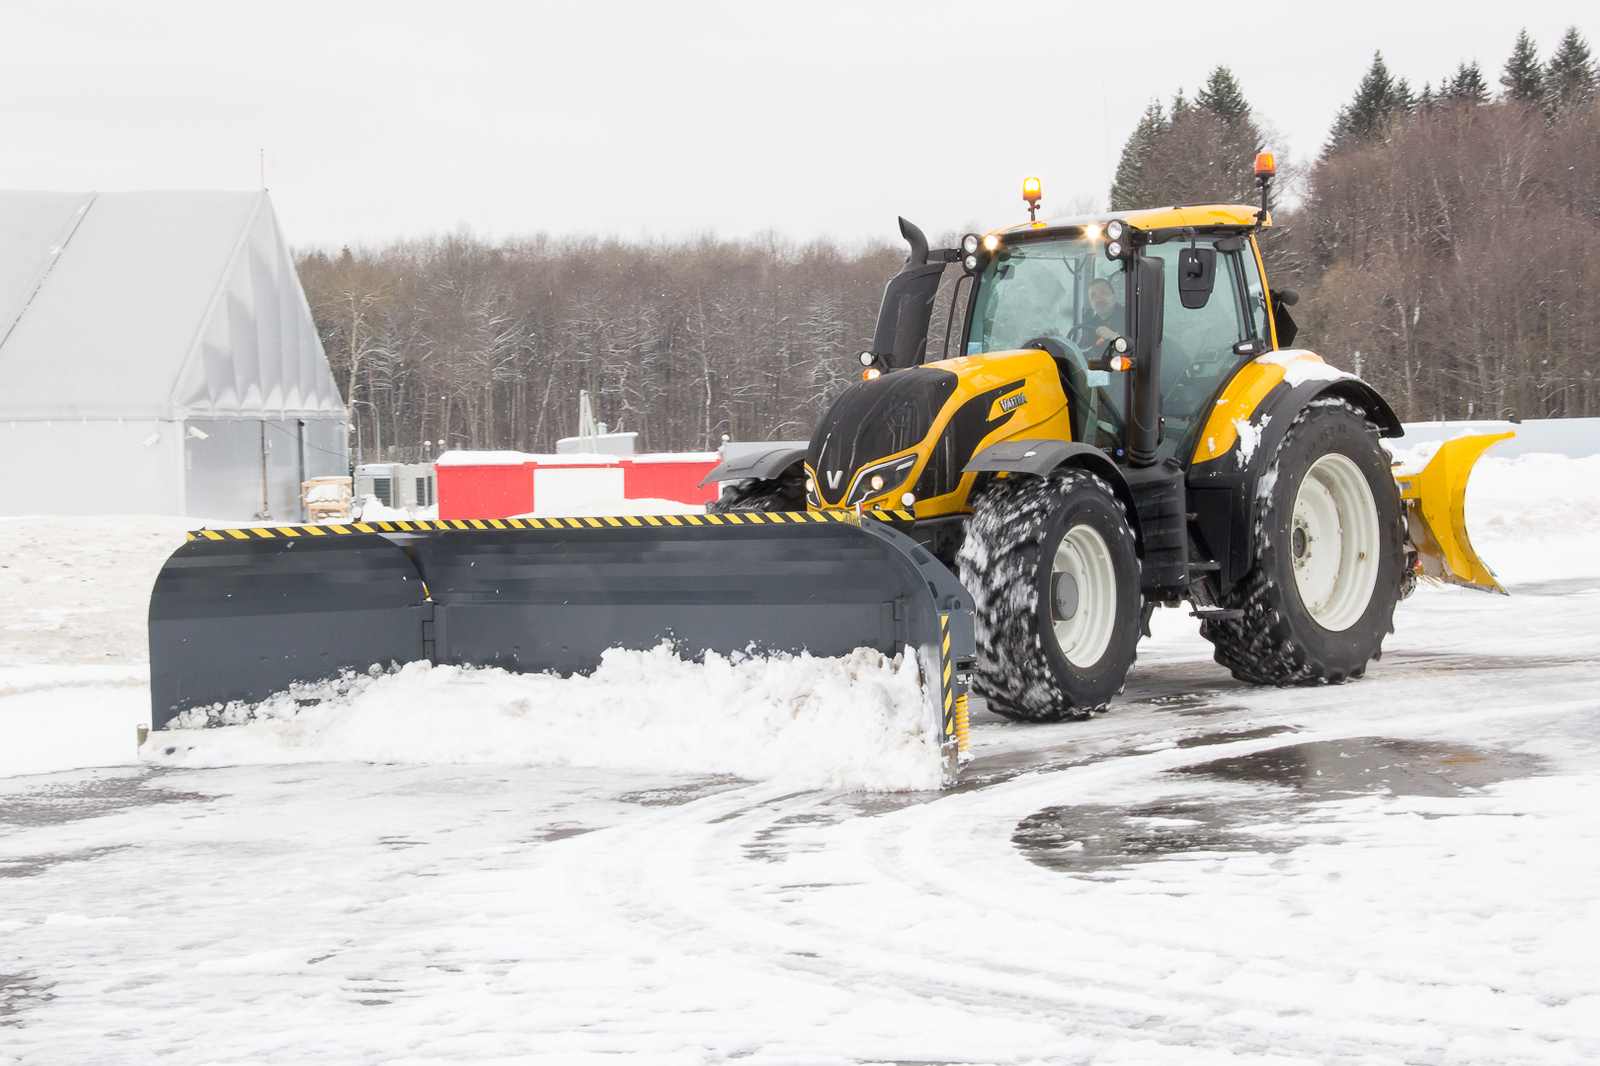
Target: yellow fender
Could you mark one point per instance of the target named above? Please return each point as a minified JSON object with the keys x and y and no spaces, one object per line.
{"x":1436,"y":513}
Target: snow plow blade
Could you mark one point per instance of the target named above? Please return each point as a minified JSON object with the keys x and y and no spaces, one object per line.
{"x":1436,"y":513}
{"x":240,"y":615}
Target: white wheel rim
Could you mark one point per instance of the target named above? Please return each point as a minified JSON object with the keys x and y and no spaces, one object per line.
{"x":1334,"y":542}
{"x":1084,"y":556}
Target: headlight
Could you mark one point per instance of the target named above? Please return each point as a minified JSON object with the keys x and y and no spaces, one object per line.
{"x":879,"y":477}
{"x":867,"y":358}
{"x":1114,"y":229}
{"x":1114,"y":249}
{"x":811,"y":484}
{"x":1092,"y":231}
{"x":990,"y":243}
{"x":969,"y":243}
{"x":970,"y":263}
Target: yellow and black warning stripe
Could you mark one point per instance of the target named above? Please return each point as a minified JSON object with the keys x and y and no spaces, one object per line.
{"x":956,"y":726}
{"x":445,"y":525}
{"x":947,"y":688}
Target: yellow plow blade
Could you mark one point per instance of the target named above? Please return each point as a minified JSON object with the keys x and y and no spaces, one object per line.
{"x":1436,"y":513}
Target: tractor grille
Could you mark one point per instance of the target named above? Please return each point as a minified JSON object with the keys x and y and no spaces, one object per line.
{"x":873,"y":420}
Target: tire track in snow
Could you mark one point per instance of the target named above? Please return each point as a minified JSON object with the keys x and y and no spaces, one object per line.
{"x":933,"y":856}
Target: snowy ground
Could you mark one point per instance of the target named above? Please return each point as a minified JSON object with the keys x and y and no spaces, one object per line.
{"x":1398,"y":870}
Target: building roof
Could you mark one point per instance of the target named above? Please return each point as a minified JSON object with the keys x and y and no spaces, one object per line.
{"x":167,"y":305}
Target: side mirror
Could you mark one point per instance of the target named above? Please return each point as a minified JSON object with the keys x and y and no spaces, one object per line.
{"x":1283,"y":322}
{"x":1197,"y":276}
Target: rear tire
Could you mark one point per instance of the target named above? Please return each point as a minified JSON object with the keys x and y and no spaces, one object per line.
{"x":1054,"y":576}
{"x":1330,"y":562}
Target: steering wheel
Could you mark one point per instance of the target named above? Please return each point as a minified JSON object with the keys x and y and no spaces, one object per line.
{"x":1074,"y":361}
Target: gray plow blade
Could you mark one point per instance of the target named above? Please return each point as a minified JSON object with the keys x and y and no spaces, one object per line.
{"x":238,"y":620}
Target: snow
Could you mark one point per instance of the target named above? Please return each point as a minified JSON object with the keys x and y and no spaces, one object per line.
{"x":1249,"y":437}
{"x":374,"y":510}
{"x":1300,"y":366}
{"x":371,"y":882}
{"x":646,"y":458}
{"x":618,"y":507}
{"x":855,"y":722}
{"x":462,"y":458}
{"x":327,"y":493}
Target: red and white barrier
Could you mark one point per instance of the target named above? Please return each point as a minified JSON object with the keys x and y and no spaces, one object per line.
{"x":505,"y":484}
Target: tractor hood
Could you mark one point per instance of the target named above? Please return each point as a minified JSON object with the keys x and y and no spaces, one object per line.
{"x":872,"y":420}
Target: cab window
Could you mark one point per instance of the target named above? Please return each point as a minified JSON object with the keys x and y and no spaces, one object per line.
{"x":1255,"y":289}
{"x":1197,"y":344}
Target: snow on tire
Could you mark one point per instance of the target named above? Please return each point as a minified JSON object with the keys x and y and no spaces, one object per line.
{"x":1054,"y":576}
{"x":1330,"y":557}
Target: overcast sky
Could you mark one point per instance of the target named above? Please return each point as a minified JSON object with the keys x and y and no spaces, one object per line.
{"x":816,"y":119}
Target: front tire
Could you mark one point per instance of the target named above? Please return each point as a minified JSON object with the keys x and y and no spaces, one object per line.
{"x":1331,"y":559}
{"x":1054,"y":576}
{"x":762,"y":494}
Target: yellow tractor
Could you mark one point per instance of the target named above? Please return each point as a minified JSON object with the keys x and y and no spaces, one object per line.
{"x":1125,"y":423}
{"x":1122,"y":422}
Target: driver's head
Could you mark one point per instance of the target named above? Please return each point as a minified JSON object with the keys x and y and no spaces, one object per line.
{"x":1102,"y":297}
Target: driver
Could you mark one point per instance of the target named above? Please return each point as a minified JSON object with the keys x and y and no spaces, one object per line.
{"x":1106,"y":318}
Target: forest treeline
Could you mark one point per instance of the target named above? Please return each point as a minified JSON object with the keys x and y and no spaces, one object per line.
{"x":487,"y":344}
{"x":1445,"y":242}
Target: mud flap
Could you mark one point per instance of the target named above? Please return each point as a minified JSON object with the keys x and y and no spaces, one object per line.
{"x":1436,"y":503}
{"x":235,"y":619}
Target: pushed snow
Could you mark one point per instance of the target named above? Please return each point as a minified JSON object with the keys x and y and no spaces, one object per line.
{"x":857,"y":722}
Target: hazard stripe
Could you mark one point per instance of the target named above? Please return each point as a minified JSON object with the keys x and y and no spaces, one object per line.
{"x":947,"y":690}
{"x":450,"y":525}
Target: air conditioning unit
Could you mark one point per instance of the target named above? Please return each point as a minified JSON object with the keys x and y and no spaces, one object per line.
{"x":398,"y":486}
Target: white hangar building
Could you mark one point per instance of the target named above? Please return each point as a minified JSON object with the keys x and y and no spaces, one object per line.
{"x":157,"y":356}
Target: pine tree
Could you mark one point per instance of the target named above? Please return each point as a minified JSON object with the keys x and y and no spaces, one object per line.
{"x":1523,"y":78}
{"x":1379,"y":99}
{"x":1405,"y":101}
{"x":1467,"y":86}
{"x":1180,"y":106}
{"x":1569,"y":79}
{"x":1222,"y":96}
{"x":1129,"y":187}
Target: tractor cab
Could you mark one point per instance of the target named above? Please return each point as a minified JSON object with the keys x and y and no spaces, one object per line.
{"x":1068,"y":288}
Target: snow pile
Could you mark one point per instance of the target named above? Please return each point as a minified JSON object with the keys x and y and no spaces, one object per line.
{"x":859,"y":721}
{"x":75,"y":590}
{"x":375,"y":510}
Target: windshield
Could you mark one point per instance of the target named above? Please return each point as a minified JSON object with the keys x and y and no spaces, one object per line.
{"x":1068,"y":292}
